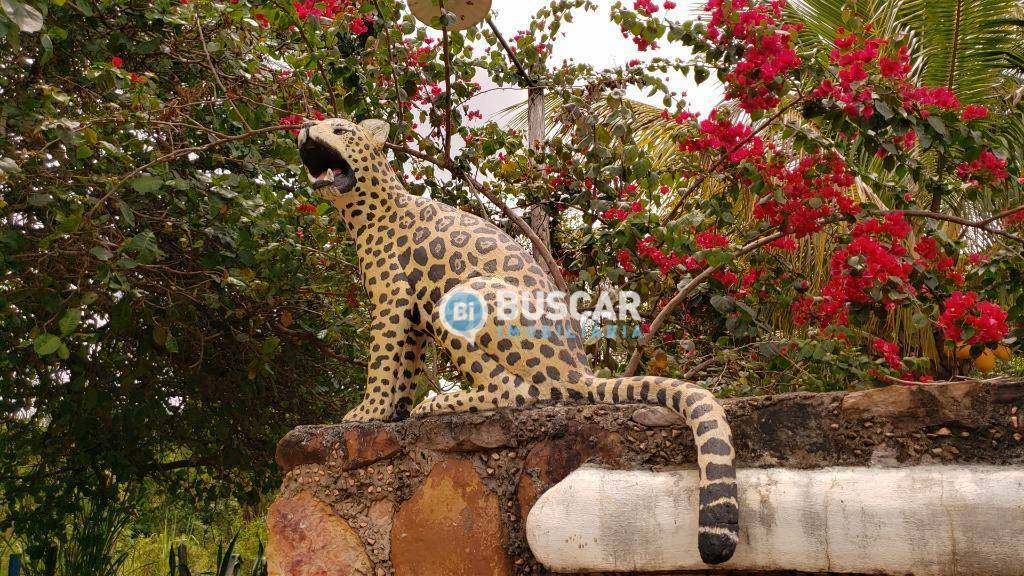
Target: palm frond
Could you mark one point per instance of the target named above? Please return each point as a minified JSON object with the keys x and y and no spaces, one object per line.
{"x":655,"y":134}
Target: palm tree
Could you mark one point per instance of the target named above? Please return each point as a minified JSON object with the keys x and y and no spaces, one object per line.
{"x":974,"y":47}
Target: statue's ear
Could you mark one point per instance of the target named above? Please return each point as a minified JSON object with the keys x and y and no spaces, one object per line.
{"x":378,"y":131}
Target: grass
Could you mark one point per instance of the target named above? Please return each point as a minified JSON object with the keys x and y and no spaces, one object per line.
{"x":145,"y":544}
{"x":148,"y":556}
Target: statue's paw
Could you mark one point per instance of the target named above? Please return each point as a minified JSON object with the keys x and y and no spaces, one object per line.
{"x":360,"y":414}
{"x":421,"y":409}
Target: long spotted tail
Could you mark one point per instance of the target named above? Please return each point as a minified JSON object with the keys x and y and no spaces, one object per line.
{"x":718,"y":518}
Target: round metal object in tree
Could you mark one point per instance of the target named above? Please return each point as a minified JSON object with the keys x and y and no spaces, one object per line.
{"x":466,"y":12}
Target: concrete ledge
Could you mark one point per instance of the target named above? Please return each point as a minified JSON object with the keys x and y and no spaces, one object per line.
{"x":925,"y":521}
{"x":460,"y":488}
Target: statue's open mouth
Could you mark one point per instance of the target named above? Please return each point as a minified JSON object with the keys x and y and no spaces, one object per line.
{"x":326,"y":166}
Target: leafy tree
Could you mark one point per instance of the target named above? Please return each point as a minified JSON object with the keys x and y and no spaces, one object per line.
{"x":172,"y":300}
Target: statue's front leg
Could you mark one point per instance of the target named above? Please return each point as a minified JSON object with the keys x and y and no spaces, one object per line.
{"x":396,"y":354}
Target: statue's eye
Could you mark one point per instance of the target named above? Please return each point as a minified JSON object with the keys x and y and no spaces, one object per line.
{"x":339,"y":130}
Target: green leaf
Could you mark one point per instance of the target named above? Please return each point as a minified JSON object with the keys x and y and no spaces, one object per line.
{"x":26,"y":17}
{"x":700,"y":74}
{"x":884,"y":109}
{"x":270,"y":344}
{"x":938,"y":125}
{"x":46,"y":344}
{"x":171,"y":343}
{"x":8,"y":165}
{"x":145,"y":247}
{"x":723,"y":304}
{"x":126,"y":212}
{"x":147,"y":184}
{"x":101,"y":253}
{"x":72,"y":318}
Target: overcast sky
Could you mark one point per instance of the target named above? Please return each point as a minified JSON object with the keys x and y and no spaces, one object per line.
{"x":593,"y":39}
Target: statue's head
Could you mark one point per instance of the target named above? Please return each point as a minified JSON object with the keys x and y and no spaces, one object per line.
{"x":336,"y":152}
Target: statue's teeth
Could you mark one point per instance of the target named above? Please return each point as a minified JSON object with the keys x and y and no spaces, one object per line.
{"x":326,"y":176}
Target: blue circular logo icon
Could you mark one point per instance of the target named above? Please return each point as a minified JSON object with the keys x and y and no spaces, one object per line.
{"x":463,"y":312}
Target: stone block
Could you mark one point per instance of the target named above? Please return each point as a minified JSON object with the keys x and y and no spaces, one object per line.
{"x":306,"y":538}
{"x":450,"y":527}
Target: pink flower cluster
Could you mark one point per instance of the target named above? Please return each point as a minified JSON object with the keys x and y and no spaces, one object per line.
{"x":862,"y":270}
{"x":890,"y":351}
{"x":724,"y":135}
{"x":966,"y":310}
{"x":930,"y":256}
{"x":813,"y":188}
{"x":298,"y":119}
{"x":986,"y":170}
{"x":710,"y":239}
{"x":320,"y":8}
{"x":648,"y":248}
{"x":756,"y":30}
{"x":854,"y":57}
{"x":618,"y":214}
{"x":973,"y":112}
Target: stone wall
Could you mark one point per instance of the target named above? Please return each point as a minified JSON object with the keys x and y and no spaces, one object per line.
{"x":449,"y":495}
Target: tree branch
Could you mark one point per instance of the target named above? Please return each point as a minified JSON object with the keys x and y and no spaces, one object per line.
{"x":511,"y":55}
{"x":216,"y":75}
{"x":980,"y":225}
{"x":447,"y":92}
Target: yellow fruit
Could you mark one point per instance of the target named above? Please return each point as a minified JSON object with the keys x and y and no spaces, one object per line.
{"x":963,"y":352}
{"x":986,"y":362}
{"x":1003,"y":353}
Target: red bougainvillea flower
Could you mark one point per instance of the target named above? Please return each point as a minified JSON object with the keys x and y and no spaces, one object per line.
{"x":618,"y":214}
{"x":710,"y":238}
{"x":1015,"y":220}
{"x":987,"y":170}
{"x":647,"y":247}
{"x":973,"y":112}
{"x":865,"y":271}
{"x":965,"y":310}
{"x":262,"y":19}
{"x":723,"y":135}
{"x":646,"y":7}
{"x":890,"y":351}
{"x":626,"y":260}
{"x":292,"y":120}
{"x":755,"y":30}
{"x":117,"y":62}
{"x":320,"y":9}
{"x":930,"y":256}
{"x":138,"y":78}
{"x":728,"y":278}
{"x":306,"y":208}
{"x":811,"y":189}
{"x":358,"y":26}
{"x":785,"y":244}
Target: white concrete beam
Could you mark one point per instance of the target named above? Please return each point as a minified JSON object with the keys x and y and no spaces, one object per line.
{"x":925,"y":521}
